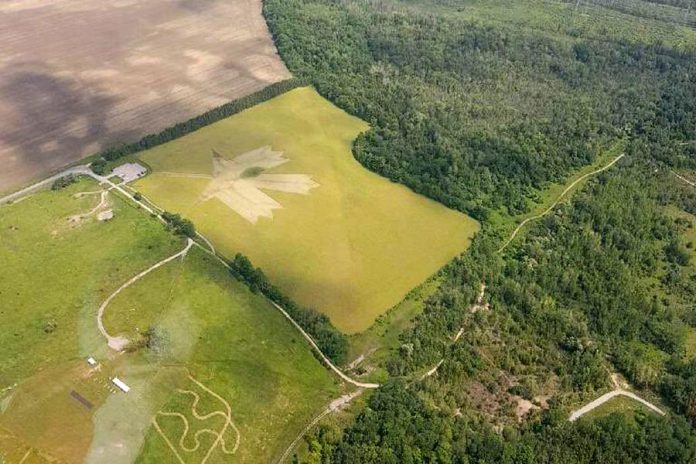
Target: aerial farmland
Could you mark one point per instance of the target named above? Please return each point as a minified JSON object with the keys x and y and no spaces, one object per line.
{"x":279,"y":184}
{"x":80,"y":75}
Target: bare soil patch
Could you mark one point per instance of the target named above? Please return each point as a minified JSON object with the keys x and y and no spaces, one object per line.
{"x":79,"y":75}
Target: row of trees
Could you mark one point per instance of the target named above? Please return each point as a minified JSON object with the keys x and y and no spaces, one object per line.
{"x":179,"y":225}
{"x":193,"y":124}
{"x":332,"y":343}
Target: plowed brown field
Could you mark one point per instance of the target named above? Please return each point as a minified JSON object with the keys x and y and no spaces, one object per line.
{"x":78,"y":75}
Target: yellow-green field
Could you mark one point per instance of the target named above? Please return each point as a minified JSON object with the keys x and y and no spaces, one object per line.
{"x":351,"y":245}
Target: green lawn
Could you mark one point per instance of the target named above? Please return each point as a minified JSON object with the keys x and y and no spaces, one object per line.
{"x":352,"y":247}
{"x":235,"y":343}
{"x":55,"y":274}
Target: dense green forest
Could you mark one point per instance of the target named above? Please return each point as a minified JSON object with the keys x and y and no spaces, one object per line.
{"x":482,"y":110}
{"x":473,"y":115}
{"x":600,"y":285}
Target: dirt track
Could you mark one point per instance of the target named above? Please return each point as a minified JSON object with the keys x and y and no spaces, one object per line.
{"x":76,"y":75}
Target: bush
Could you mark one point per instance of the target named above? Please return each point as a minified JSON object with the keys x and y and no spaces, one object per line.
{"x":98,"y":166}
{"x":63,"y":182}
{"x":179,"y":225}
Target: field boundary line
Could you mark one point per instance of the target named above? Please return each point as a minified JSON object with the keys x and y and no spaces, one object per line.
{"x":557,"y":201}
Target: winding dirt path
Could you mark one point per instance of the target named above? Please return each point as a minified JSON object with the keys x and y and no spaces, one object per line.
{"x":335,"y":405}
{"x":478,"y":305}
{"x":558,"y":200}
{"x":119,"y":343}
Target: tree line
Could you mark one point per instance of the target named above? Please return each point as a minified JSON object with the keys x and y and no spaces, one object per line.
{"x":330,"y":341}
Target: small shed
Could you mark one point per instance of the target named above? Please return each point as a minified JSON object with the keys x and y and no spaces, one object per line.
{"x":91,"y":361}
{"x":121,"y":384}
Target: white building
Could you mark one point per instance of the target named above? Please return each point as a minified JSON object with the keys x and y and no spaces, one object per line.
{"x":121,"y":384}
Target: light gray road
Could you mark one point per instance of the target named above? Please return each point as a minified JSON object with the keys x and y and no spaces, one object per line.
{"x":577,"y":414}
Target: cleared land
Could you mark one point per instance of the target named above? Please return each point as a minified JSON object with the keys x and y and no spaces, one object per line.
{"x":126,"y":68}
{"x":348,"y":243}
{"x":212,"y":335}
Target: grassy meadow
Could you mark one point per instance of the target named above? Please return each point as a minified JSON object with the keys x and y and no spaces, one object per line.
{"x":55,"y":273}
{"x":352,"y":247}
{"x":236,"y":344}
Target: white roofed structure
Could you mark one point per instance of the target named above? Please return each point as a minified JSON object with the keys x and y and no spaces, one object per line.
{"x":121,"y":384}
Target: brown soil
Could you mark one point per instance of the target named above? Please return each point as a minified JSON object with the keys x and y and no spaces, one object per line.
{"x":77,"y":75}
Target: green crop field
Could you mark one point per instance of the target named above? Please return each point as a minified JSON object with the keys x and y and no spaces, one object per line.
{"x":284,"y":189}
{"x":212,"y":337}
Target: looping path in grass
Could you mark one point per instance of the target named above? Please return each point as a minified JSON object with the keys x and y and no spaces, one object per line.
{"x":217,"y":434}
{"x":119,"y":343}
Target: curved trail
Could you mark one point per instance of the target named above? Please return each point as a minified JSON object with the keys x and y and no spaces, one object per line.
{"x":326,"y":360}
{"x":558,"y":200}
{"x":118,"y":343}
{"x":575,"y":415}
{"x":100,"y":205}
{"x":479,"y":306}
{"x":335,"y":405}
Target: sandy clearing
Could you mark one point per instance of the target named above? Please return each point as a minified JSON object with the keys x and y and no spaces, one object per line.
{"x":127,"y":68}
